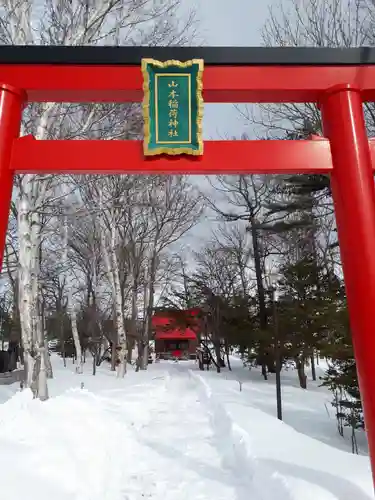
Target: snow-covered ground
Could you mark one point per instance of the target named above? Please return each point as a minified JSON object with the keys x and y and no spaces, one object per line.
{"x":175,"y":433}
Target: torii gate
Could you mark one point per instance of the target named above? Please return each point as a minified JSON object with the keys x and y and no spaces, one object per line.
{"x":339,"y":80}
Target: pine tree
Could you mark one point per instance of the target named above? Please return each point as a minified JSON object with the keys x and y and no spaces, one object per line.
{"x":309,"y":299}
{"x":341,"y":377}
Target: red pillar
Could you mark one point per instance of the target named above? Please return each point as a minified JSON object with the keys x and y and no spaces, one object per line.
{"x":353,"y":192}
{"x":11,"y":105}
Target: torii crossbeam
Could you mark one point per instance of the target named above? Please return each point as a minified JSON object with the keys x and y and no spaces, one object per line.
{"x":339,"y":80}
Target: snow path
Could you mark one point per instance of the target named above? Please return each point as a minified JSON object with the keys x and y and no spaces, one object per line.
{"x":170,"y":433}
{"x":195,"y":433}
{"x":162,"y":440}
{"x":82,"y":445}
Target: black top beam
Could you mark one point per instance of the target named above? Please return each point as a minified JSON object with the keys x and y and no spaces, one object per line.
{"x":214,"y":56}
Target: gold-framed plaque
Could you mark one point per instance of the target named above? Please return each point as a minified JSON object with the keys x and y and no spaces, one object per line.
{"x":172,"y":107}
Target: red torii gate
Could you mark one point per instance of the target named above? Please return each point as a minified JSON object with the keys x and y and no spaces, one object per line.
{"x":339,"y":80}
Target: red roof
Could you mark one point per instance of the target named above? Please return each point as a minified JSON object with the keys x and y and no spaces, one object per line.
{"x":162,"y":319}
{"x":180,"y":334}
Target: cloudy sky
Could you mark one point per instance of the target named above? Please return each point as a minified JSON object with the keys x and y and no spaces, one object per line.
{"x":225,"y":23}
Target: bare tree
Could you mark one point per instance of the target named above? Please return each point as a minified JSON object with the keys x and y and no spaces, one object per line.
{"x":310,"y":23}
{"x":235,"y":240}
{"x":175,"y":208}
{"x":73,"y":22}
{"x":244,"y":198}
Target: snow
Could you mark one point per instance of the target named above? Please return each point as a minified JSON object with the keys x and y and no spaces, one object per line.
{"x":174,"y":432}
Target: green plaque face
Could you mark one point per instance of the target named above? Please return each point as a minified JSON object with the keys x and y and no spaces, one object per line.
{"x":172,"y":107}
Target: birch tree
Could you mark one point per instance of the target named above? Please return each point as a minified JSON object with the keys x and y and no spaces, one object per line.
{"x":85,"y":254}
{"x":134,"y":239}
{"x":72,"y":307}
{"x":74,"y":22}
{"x":108,"y":196}
{"x":175,"y":207}
{"x":109,"y":250}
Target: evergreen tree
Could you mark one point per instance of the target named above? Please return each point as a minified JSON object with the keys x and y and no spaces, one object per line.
{"x":341,"y":377}
{"x":309,"y":299}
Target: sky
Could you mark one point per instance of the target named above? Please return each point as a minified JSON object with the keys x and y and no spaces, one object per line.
{"x":229,"y":23}
{"x":225,"y":23}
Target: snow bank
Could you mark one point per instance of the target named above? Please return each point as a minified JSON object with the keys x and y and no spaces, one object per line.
{"x":237,"y":451}
{"x":77,"y":445}
{"x":314,"y":470}
{"x":57,"y":443}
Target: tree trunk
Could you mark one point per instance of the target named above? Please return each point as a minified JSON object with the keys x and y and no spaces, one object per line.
{"x":62,"y":337}
{"x":43,"y":375}
{"x":110,"y":258}
{"x":300,"y":365}
{"x":25,"y":289}
{"x":113,"y":356}
{"x":16,"y":328}
{"x":227,"y":355}
{"x":313,"y":371}
{"x":149,"y":301}
{"x":118,"y":306}
{"x":130,"y":347}
{"x":49,"y":369}
{"x":267,"y":362}
{"x":29,"y":369}
{"x":98,"y":355}
{"x":134,"y":315}
{"x":38,"y":351}
{"x":218,"y":355}
{"x":77,"y":343}
{"x":140,"y":348}
{"x":34,"y":384}
{"x":47,"y":358}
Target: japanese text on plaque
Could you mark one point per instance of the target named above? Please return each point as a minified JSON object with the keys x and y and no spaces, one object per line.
{"x":173,"y":105}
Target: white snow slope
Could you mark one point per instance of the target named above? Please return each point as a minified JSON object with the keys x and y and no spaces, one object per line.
{"x":174,"y":433}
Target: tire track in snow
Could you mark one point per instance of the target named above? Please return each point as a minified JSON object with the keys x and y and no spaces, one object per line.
{"x":234,"y":446}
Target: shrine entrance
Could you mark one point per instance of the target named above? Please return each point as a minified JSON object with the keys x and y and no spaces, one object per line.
{"x":339,"y":80}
